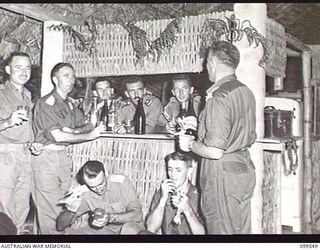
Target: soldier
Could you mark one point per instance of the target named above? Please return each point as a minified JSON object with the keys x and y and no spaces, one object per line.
{"x":113,"y":195}
{"x":152,"y":106}
{"x":105,"y":91}
{"x":57,"y":123}
{"x":15,"y":138}
{"x":183,"y":93}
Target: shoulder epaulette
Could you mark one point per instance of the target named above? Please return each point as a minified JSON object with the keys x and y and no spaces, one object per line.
{"x":125,"y":103}
{"x":117,"y":178}
{"x":148,"y":99}
{"x":51,"y":100}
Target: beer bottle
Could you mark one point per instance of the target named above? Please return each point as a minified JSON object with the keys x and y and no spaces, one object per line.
{"x":104,"y":113}
{"x":94,"y":111}
{"x":139,"y":119}
{"x":185,"y":112}
{"x":112,"y":115}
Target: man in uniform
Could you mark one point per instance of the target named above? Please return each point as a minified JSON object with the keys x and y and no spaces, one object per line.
{"x":152,"y":106}
{"x":226,"y":130}
{"x":15,"y":137}
{"x":182,"y":91}
{"x":57,"y":123}
{"x":174,"y":207}
{"x":114,"y":195}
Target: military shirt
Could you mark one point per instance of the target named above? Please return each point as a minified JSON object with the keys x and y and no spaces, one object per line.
{"x":119,"y":197}
{"x":152,"y":108}
{"x":168,"y":225}
{"x":228,"y":119}
{"x":10,"y":99}
{"x":52,"y":112}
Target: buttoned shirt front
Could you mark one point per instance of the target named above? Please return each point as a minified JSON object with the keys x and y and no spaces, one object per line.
{"x":10,"y":99}
{"x":52,"y":112}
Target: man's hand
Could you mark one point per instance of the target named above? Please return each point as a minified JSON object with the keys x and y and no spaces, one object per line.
{"x":74,"y":205}
{"x":96,"y":132}
{"x":167,"y":187}
{"x":36,"y":148}
{"x":180,"y":201}
{"x":17,"y":118}
{"x":171,"y":127}
{"x":185,"y":142}
{"x":119,"y":129}
{"x":101,"y":222}
{"x":189,"y":122}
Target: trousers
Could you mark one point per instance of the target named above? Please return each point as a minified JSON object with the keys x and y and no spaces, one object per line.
{"x":15,"y":182}
{"x":52,"y":179}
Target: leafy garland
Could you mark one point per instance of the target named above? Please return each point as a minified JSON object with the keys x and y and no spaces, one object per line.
{"x":82,"y":43}
{"x":214,"y":29}
{"x":144,"y":48}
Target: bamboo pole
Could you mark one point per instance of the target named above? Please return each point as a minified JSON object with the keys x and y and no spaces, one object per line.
{"x":307,"y":97}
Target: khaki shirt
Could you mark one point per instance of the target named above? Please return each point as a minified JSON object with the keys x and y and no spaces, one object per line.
{"x":52,"y":112}
{"x":120,"y":197}
{"x":228,"y":120}
{"x":152,"y":108}
{"x":10,"y":99}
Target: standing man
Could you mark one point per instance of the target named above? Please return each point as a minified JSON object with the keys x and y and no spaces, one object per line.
{"x":57,"y":123}
{"x":15,"y":138}
{"x":226,"y":130}
{"x":174,"y":207}
{"x":113,"y":195}
{"x":152,"y":106}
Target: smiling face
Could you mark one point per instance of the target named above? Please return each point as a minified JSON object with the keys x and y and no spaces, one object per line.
{"x":135,"y":91}
{"x":178,"y":171}
{"x":97,"y":184}
{"x":104,"y":90}
{"x":19,"y":70}
{"x":182,"y":90}
{"x":64,"y":80}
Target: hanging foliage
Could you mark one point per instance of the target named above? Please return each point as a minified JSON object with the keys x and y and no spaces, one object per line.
{"x":144,"y":48}
{"x":232,"y":30}
{"x":82,"y":42}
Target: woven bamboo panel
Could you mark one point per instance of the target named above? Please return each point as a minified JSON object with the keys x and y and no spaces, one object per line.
{"x":115,"y":55}
{"x":270,"y":192}
{"x":316,"y":185}
{"x":140,"y":160}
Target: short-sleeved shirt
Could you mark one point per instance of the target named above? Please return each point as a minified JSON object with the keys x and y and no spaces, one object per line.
{"x":168,"y":225}
{"x":152,"y":108}
{"x":228,"y":119}
{"x":10,"y":99}
{"x":119,"y":197}
{"x":52,"y":112}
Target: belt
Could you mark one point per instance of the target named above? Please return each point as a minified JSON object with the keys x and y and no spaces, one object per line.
{"x":55,"y":147}
{"x":14,"y":147}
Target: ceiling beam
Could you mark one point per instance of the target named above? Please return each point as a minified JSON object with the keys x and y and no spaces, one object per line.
{"x":296,"y":43}
{"x":39,"y":13}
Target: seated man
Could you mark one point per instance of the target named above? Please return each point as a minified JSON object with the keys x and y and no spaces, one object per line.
{"x":183,"y":98}
{"x":152,"y":106}
{"x":113,"y":195}
{"x":174,"y":207}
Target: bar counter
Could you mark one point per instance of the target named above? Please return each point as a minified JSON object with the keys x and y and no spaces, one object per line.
{"x":140,"y":157}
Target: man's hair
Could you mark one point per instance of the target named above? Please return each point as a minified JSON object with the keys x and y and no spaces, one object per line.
{"x":91,"y":169}
{"x":226,"y":52}
{"x":181,"y":77}
{"x":179,"y":156}
{"x":59,"y":66}
{"x":14,"y":54}
{"x":104,"y":79}
{"x":132,"y":79}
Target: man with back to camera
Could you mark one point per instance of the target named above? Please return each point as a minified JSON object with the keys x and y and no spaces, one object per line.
{"x":152,"y":106}
{"x":114,"y":195}
{"x":226,"y":130}
{"x":16,"y":136}
{"x":174,"y":207}
{"x":57,"y":123}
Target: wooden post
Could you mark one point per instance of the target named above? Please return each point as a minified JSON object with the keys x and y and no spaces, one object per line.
{"x":250,"y":73}
{"x":52,"y":53}
{"x":307,"y":208}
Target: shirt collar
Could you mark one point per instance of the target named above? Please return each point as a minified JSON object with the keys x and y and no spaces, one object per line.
{"x":218,"y":84}
{"x":58,"y":97}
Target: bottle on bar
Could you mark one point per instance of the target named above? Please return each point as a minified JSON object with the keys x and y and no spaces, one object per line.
{"x":94,"y":112}
{"x":104,"y":113}
{"x":185,"y":112}
{"x":139,"y":119}
{"x":112,"y":115}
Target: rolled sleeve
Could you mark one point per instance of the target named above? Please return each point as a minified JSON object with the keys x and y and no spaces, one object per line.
{"x":217,"y":123}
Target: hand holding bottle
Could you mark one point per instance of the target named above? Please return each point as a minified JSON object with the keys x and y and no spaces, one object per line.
{"x":185,"y":142}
